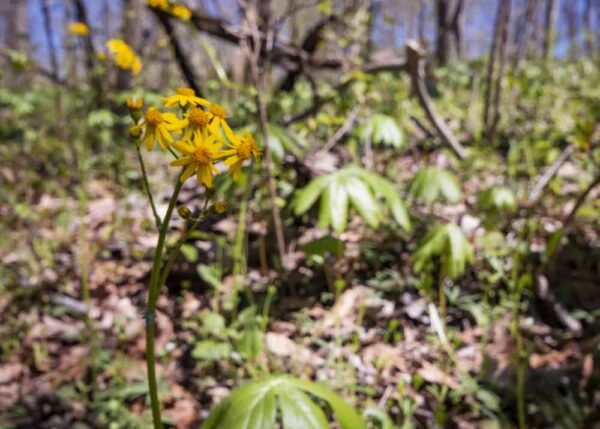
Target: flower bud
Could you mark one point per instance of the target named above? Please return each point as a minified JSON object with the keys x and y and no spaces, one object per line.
{"x":220,"y":207}
{"x":135,"y":132}
{"x":184,"y":212}
{"x":135,"y":107}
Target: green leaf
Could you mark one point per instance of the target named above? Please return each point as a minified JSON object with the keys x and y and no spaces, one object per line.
{"x":392,"y":197}
{"x":361,"y":188}
{"x":338,"y":204}
{"x":250,"y":404}
{"x":383,"y":129}
{"x":345,"y":415}
{"x":257,"y":404}
{"x":448,"y":243}
{"x":497,"y":199}
{"x":210,"y":275}
{"x":431,"y":184}
{"x":298,"y":411}
{"x":189,"y":252}
{"x":363,"y":201}
{"x":211,"y":350}
{"x":307,"y":196}
{"x":250,"y":344}
{"x":324,"y":245}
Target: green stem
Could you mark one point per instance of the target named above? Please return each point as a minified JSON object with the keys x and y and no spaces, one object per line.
{"x":520,"y":363}
{"x":147,"y":188}
{"x":172,"y":256}
{"x":171,"y":260}
{"x":153,"y":293}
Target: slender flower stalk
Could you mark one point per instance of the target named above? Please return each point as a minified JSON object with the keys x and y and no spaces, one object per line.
{"x":198,"y":151}
{"x":147,"y":188}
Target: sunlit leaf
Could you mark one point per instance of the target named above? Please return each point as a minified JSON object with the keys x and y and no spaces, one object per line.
{"x":259,"y":404}
{"x":448,"y":243}
{"x":432,"y":184}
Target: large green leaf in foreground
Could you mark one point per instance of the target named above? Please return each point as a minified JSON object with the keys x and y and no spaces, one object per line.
{"x":260,"y":404}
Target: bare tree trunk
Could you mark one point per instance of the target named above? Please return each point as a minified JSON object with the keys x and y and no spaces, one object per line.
{"x":588,"y":35}
{"x":448,"y":42}
{"x":422,"y":20}
{"x":131,"y":31}
{"x":496,"y":69}
{"x":570,"y":13}
{"x":49,"y":37}
{"x":442,"y":42}
{"x":550,"y":15}
{"x":524,"y":31}
{"x":94,"y":79}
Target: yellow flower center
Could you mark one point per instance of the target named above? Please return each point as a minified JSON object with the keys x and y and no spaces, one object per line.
{"x":244,"y":149}
{"x":187,"y":92}
{"x":153,"y":117}
{"x":203,"y":156}
{"x":198,"y":118}
{"x":217,"y":110}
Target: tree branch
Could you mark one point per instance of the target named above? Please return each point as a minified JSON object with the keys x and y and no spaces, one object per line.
{"x":182,"y":60}
{"x":550,"y":172}
{"x":416,"y":69}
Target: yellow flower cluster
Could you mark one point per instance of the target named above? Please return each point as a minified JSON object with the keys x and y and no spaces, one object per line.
{"x":206,"y":137}
{"x":177,"y":10}
{"x":123,"y":56}
{"x":78,"y":29}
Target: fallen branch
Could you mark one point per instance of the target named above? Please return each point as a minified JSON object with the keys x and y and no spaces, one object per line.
{"x":416,"y":69}
{"x":550,"y":172}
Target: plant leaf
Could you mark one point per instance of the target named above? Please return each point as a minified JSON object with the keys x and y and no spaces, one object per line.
{"x":298,"y":411}
{"x":363,"y":201}
{"x":338,"y":204}
{"x":345,"y":415}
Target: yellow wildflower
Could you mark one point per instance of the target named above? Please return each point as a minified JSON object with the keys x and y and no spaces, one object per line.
{"x":78,"y":29}
{"x":158,"y":126}
{"x":196,"y":121}
{"x":124,"y":56}
{"x":134,"y":103}
{"x":185,"y":97}
{"x":181,"y":12}
{"x":217,"y":115}
{"x":199,"y":156}
{"x":101,"y":56}
{"x":240,"y":150}
{"x":159,"y":4}
{"x":135,"y":132}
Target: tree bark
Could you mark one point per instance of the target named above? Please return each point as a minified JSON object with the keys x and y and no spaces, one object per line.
{"x":550,"y":15}
{"x":496,"y":69}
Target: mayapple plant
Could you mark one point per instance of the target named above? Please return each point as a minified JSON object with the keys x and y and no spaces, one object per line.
{"x":200,"y":140}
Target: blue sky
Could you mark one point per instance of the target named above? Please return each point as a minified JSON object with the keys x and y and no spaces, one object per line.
{"x":479,"y":17}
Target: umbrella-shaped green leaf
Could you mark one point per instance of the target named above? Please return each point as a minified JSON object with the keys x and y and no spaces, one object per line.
{"x":497,"y":199}
{"x":354,"y":185}
{"x":448,"y":243}
{"x":431,"y":184}
{"x":260,"y":404}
